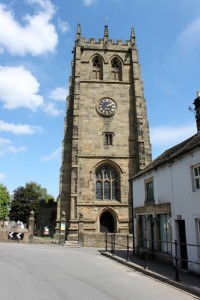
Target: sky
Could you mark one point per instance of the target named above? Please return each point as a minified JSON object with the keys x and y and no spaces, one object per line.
{"x":36,"y":43}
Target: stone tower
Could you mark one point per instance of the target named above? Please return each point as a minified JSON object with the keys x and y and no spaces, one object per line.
{"x":106,"y":136}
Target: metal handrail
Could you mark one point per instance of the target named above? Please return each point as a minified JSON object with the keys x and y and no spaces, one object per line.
{"x":147,"y":250}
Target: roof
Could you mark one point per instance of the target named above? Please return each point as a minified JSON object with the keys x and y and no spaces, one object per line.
{"x":171,"y":154}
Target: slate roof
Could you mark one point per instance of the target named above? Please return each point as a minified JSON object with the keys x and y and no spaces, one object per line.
{"x":171,"y":154}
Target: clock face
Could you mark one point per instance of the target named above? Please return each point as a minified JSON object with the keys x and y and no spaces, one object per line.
{"x":106,"y":107}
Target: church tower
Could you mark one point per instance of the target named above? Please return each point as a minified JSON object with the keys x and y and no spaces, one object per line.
{"x":106,"y":136}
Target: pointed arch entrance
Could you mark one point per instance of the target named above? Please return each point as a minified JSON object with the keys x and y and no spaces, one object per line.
{"x":107,"y":222}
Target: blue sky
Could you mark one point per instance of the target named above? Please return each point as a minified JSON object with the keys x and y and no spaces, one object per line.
{"x":36,"y":40}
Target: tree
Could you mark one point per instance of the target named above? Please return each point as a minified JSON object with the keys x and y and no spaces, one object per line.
{"x":25,"y":199}
{"x":4,"y":202}
{"x":42,"y":192}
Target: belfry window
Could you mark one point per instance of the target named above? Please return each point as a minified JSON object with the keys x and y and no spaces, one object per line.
{"x":97,"y":68}
{"x":107,"y":183}
{"x":116,"y":70}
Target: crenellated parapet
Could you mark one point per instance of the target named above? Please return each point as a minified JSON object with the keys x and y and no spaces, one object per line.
{"x":110,"y":43}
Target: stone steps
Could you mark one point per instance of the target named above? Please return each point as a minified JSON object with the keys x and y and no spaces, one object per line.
{"x":72,"y":244}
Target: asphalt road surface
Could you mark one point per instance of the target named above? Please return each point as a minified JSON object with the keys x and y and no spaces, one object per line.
{"x":37,"y":272}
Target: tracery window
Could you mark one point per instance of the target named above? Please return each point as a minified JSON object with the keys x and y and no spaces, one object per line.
{"x":116,"y":69}
{"x":97,"y":68}
{"x":107,"y":183}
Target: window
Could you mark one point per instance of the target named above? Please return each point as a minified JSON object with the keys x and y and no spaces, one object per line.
{"x":108,"y":138}
{"x":149,"y":191}
{"x":196,"y":176}
{"x":97,"y":69}
{"x":164,"y":233}
{"x":116,"y":71}
{"x":107,"y":183}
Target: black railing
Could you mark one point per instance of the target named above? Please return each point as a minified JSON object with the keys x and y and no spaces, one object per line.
{"x":144,"y":249}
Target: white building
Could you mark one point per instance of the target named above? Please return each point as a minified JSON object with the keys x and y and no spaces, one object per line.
{"x":166,"y":202}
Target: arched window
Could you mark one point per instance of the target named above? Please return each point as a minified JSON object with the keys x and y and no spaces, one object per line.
{"x":97,"y":68}
{"x":107,"y":183}
{"x":116,"y":69}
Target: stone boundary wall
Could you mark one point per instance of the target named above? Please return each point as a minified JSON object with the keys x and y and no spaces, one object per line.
{"x":4,"y":232}
{"x":99,"y":240}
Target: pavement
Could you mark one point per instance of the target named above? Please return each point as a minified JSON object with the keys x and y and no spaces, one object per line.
{"x":184,"y":280}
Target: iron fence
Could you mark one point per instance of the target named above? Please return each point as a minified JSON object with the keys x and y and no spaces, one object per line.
{"x":173,"y":254}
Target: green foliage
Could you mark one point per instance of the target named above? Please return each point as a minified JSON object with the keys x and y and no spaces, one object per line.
{"x":4,"y":202}
{"x":25,"y":199}
{"x":42,"y":192}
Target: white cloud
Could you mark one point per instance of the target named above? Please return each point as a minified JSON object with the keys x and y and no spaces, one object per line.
{"x":14,"y":149}
{"x":36,"y":37}
{"x":55,"y":155}
{"x":19,"y":128}
{"x":6,"y":146}
{"x":2,"y":176}
{"x":4,"y":142}
{"x":24,"y":94}
{"x":189,"y":39}
{"x":88,"y":2}
{"x":48,"y":7}
{"x":51,"y":109}
{"x":163,"y":137}
{"x":64,"y":26}
{"x":24,"y":91}
{"x":58,"y":94}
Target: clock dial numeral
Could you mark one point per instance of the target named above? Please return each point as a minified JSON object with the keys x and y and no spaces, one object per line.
{"x":106,"y":107}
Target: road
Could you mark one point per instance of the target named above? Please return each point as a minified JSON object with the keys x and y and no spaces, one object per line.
{"x":41,"y":272}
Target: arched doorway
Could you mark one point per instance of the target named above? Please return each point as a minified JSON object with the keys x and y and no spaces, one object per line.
{"x":107,"y":222}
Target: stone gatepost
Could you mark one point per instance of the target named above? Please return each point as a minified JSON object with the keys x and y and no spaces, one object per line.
{"x":81,"y":230}
{"x":62,"y":228}
{"x":31,"y":226}
{"x":57,"y":229}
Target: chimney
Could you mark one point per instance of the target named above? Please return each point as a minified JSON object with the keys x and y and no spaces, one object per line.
{"x":197,"y":110}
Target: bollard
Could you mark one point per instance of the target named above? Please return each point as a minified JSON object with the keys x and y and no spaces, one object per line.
{"x":106,"y":241}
